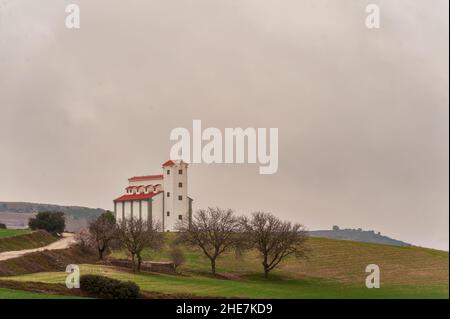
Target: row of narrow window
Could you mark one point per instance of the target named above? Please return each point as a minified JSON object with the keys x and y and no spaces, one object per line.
{"x":180,"y":172}
{"x":180,"y":217}
{"x":168,"y":194}
{"x":180,"y":197}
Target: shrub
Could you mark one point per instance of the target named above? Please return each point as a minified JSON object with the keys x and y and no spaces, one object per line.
{"x":108,"y":288}
{"x":53,"y":222}
{"x":2,"y":226}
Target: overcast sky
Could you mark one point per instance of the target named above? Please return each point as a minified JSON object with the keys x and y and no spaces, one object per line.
{"x":362,"y":114}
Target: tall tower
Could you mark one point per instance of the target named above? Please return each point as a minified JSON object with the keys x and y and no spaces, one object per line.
{"x":176,"y":202}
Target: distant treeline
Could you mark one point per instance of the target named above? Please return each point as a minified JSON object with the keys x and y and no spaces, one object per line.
{"x":76,"y":212}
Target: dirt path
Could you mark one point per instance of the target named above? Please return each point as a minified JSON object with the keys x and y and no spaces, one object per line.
{"x":65,"y":242}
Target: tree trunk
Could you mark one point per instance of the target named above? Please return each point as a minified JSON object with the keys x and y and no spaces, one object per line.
{"x":100,"y":254}
{"x":213,"y":266}
{"x":266,"y":267}
{"x":133,"y":264}
{"x":139,"y":262}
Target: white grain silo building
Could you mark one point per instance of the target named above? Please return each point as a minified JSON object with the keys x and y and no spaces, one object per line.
{"x":161,"y":198}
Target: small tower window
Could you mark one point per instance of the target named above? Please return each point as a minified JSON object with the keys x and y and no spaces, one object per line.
{"x":180,"y":217}
{"x":180,"y":197}
{"x":168,"y":172}
{"x":168,"y":194}
{"x":180,"y":184}
{"x":168,"y":214}
{"x":180,"y":171}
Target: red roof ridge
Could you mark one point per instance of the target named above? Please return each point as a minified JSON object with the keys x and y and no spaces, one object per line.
{"x":144,"y":178}
{"x":129,"y":197}
{"x":168,"y":163}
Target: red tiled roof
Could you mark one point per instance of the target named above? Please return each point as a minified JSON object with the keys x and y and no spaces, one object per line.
{"x":125,"y":198}
{"x":168,"y":163}
{"x":144,"y":178}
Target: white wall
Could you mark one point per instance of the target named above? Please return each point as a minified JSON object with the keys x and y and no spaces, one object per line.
{"x":173,"y":204}
{"x":127,"y":210}
{"x":119,"y":211}
{"x":158,"y":209}
{"x":135,"y":209}
{"x":144,"y":210}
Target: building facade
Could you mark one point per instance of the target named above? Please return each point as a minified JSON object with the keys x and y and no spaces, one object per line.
{"x":163,"y":198}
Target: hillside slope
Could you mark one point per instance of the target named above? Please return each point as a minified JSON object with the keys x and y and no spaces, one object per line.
{"x":340,"y":260}
{"x":346,"y":261}
{"x":335,"y":269}
{"x":25,"y":241}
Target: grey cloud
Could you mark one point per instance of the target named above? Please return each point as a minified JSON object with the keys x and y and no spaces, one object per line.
{"x":362,"y":114}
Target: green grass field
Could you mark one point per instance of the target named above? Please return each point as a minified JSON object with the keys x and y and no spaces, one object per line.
{"x":20,"y":294}
{"x":335,"y":269}
{"x":250,"y":287}
{"x":13,"y":232}
{"x":337,"y":260}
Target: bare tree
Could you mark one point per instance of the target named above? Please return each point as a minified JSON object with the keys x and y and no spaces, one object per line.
{"x":84,"y":240}
{"x":275,"y":239}
{"x":136,"y":235}
{"x":103,"y":232}
{"x":214,"y":230}
{"x":177,"y":256}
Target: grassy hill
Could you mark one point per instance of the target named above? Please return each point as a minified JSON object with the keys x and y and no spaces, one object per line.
{"x":11,"y":239}
{"x":13,"y":232}
{"x":335,"y":269}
